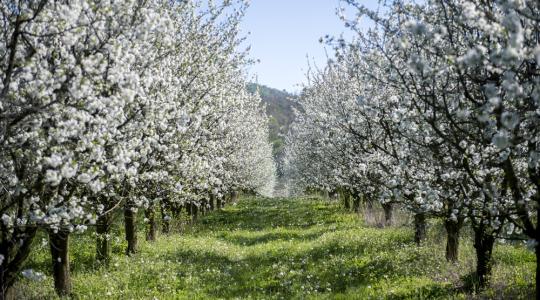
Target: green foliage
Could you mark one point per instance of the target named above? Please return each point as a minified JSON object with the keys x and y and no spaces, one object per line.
{"x":282,"y":249}
{"x":279,"y":108}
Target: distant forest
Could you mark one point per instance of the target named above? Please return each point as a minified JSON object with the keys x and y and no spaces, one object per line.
{"x":279,"y":107}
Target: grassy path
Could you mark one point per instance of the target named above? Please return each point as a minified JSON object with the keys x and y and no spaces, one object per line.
{"x":282,"y":249}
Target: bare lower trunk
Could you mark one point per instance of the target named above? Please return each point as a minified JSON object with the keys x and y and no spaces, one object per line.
{"x":388,"y":213}
{"x":234,"y":196}
{"x":7,"y":293}
{"x":175,"y":212}
{"x":194,"y":212}
{"x":452,"y":239}
{"x":166,"y":221}
{"x":59,"y":245}
{"x":212,"y":202}
{"x":203,"y":207}
{"x":537,"y":238}
{"x":356,"y":202}
{"x":369,"y":205}
{"x":483,"y":244}
{"x":130,"y":224}
{"x":103,"y":249}
{"x":419,"y":228}
{"x":19,"y":246}
{"x":346,"y":203}
{"x":219,"y":203}
{"x":150,"y":215}
{"x":537,"y":270}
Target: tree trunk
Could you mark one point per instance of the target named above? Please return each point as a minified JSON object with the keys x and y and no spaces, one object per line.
{"x":388,"y":213}
{"x":369,"y":204}
{"x":195,"y":212}
{"x":130,"y":224}
{"x":103,"y":249}
{"x":166,"y":226}
{"x":346,"y":203}
{"x":150,"y":215}
{"x":59,"y":245}
{"x":189,"y":211}
{"x":419,"y":228}
{"x":203,"y":206}
{"x":166,"y":220}
{"x":175,"y":211}
{"x":212,"y":202}
{"x":356,"y":202}
{"x":11,"y":265}
{"x":6,"y":282}
{"x":537,"y":248}
{"x":219,"y":203}
{"x":7,"y":292}
{"x":452,"y":239}
{"x":483,"y":244}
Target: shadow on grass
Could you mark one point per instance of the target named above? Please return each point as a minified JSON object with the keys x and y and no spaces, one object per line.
{"x":249,"y":240}
{"x":277,"y":249}
{"x":262,"y":214}
{"x":280,"y":270}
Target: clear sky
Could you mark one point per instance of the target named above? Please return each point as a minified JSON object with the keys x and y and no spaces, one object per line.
{"x":285,"y":33}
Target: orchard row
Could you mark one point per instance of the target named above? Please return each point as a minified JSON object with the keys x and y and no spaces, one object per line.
{"x":120,"y":105}
{"x":435,"y":108}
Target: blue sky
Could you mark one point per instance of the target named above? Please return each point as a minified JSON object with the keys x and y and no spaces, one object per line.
{"x":285,"y":34}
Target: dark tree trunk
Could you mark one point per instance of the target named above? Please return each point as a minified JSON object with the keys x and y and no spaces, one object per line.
{"x":59,"y":245}
{"x":419,"y":228}
{"x":189,"y":211}
{"x":11,"y":266}
{"x":7,"y":292}
{"x":103,"y":249}
{"x":452,"y":239}
{"x":195,"y":212}
{"x":369,"y":204}
{"x":356,"y":202}
{"x":537,"y":248}
{"x":203,"y":206}
{"x":483,"y":244}
{"x":130,"y":224}
{"x":388,"y":213}
{"x":150,"y":215}
{"x":234,"y":196}
{"x":166,"y":220}
{"x":6,"y":280}
{"x":212,"y":202}
{"x":176,"y":211}
{"x":219,"y":203}
{"x":346,"y":203}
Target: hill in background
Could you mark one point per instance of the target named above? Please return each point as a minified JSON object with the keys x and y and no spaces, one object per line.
{"x":279,"y":108}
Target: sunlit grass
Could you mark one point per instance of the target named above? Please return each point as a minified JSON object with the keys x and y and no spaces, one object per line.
{"x":282,"y":249}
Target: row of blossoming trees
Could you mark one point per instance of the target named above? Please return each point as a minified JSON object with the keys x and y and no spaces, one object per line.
{"x":435,"y":108}
{"x":120,"y":105}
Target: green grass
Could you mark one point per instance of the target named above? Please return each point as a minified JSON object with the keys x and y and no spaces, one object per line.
{"x":282,"y":249}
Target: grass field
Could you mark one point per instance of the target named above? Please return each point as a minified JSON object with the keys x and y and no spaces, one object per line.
{"x":299,"y":248}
